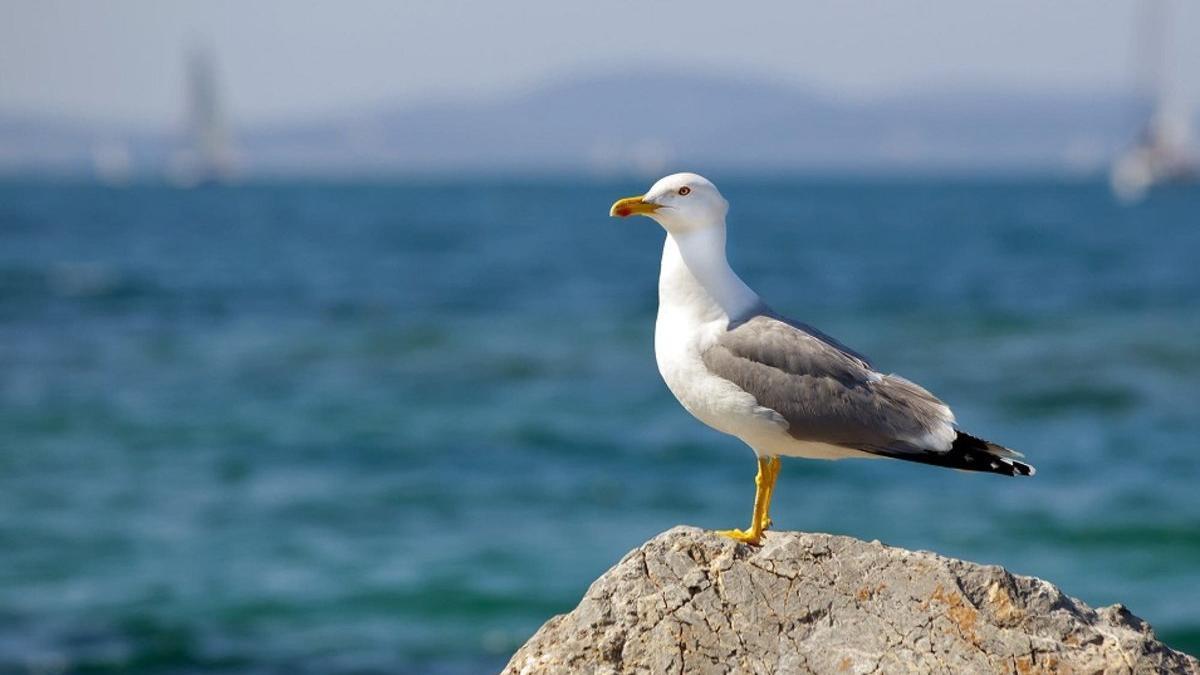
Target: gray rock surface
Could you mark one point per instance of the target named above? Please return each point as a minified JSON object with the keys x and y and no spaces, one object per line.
{"x":691,"y":601}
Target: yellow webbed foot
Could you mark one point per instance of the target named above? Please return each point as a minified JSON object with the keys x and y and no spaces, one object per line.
{"x":753,"y":538}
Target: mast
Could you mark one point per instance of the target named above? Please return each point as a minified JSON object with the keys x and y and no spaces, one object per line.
{"x":207,"y":155}
{"x":1150,"y":53}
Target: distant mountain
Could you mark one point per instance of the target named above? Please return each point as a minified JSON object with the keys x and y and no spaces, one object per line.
{"x":644,"y":123}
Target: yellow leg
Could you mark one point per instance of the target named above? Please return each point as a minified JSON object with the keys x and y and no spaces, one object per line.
{"x":764,"y":484}
{"x":773,"y":466}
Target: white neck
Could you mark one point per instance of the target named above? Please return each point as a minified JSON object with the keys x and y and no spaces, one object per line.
{"x":695,"y":271}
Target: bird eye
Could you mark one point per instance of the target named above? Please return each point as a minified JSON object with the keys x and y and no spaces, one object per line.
{"x":683,"y":191}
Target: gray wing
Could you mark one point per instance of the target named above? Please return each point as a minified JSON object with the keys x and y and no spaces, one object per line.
{"x":826,"y":392}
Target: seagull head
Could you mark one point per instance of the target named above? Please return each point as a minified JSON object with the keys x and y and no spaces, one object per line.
{"x":681,"y":202}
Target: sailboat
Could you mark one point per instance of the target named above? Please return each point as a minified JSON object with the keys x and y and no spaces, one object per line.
{"x":1163,"y":151}
{"x":207,"y":156}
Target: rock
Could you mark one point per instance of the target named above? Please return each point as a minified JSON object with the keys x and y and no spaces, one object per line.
{"x":692,"y":601}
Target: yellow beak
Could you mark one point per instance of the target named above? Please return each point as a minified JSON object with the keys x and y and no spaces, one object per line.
{"x":632,"y":206}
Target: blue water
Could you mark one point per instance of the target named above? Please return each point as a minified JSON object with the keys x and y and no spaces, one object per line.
{"x":395,"y":427}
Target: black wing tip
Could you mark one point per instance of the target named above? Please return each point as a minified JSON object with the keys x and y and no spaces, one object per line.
{"x":976,"y":454}
{"x":1009,"y":467}
{"x":968,"y":453}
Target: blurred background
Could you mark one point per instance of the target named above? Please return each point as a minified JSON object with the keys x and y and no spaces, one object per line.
{"x":318,"y":352}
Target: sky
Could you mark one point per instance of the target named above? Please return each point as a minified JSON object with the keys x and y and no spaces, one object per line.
{"x":278,"y":60}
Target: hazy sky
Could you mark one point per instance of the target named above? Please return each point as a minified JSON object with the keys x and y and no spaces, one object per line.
{"x":123,"y":59}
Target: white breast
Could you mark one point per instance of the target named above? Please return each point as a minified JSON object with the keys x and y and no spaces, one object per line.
{"x":689,"y":321}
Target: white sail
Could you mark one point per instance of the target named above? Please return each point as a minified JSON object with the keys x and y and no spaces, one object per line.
{"x":1163,"y":152}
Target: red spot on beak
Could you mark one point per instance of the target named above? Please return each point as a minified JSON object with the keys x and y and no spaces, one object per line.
{"x":624,"y":211}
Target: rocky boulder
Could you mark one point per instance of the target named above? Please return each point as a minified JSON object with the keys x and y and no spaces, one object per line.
{"x":691,"y":601}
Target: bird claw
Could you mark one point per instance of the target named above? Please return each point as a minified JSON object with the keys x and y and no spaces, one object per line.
{"x":753,"y":538}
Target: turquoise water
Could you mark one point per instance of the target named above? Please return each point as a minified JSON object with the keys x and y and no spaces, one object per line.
{"x":394,"y":427}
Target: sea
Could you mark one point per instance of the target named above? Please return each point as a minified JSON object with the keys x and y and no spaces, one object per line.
{"x":393,"y":426}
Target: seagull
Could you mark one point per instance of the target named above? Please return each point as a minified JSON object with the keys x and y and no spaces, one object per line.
{"x":784,"y":388}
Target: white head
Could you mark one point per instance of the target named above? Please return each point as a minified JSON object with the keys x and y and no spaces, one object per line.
{"x":681,"y":202}
{"x":692,"y":211}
